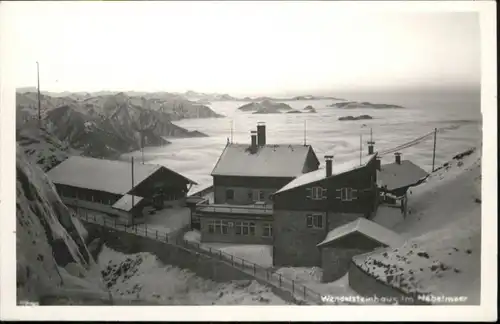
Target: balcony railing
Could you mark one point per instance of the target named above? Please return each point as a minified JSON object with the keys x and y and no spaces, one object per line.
{"x":235,"y":209}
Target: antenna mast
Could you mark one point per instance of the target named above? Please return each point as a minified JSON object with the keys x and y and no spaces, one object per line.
{"x":305,"y":123}
{"x":132,"y":181}
{"x":38,"y":89}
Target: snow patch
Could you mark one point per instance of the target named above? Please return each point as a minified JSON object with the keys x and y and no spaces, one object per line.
{"x":143,"y":276}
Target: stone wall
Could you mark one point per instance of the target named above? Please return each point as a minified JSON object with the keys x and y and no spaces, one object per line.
{"x":294,"y":243}
{"x":196,"y":260}
{"x":368,"y":286}
{"x":335,"y":262}
{"x":201,"y":264}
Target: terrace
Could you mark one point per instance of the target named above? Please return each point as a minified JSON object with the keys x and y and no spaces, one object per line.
{"x":257,"y":209}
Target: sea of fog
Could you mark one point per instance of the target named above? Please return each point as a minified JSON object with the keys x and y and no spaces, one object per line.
{"x":458,"y":114}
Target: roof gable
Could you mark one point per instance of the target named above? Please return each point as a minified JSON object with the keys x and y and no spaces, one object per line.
{"x":125,"y":202}
{"x":396,"y":175}
{"x":320,"y":174}
{"x":104,"y":175}
{"x":368,"y":228}
{"x":283,"y":160}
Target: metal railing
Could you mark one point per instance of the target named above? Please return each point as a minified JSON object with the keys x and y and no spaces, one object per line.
{"x":300,"y":292}
{"x":246,"y":209}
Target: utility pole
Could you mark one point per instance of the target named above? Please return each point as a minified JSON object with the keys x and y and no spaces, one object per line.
{"x":360,"y":148}
{"x":434,"y":150}
{"x":38,"y":89}
{"x":232,"y":122}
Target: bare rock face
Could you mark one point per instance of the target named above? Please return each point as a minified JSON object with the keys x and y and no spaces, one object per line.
{"x":41,"y":147}
{"x":51,"y":254}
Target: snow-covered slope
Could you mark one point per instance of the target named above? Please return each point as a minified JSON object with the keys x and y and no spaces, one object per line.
{"x":443,"y":253}
{"x":51,"y":251}
{"x":143,"y":276}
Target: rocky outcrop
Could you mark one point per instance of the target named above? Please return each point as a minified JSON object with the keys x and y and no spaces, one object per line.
{"x":110,"y":125}
{"x":311,"y":97}
{"x":41,"y":147}
{"x":196,"y":96}
{"x":362,"y":105}
{"x":294,"y":112}
{"x":266,"y":107}
{"x":310,"y":109}
{"x":51,"y":253}
{"x":362,"y":117}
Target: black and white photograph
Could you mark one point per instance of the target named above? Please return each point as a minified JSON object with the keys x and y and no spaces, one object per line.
{"x":293,"y":156}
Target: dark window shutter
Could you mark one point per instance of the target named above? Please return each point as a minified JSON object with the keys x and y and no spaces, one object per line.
{"x":354,"y":194}
{"x":309,"y":221}
{"x":324,"y":193}
{"x":309,"y":193}
{"x":339,"y":194}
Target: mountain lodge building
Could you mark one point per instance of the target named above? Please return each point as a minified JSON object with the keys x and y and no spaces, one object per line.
{"x":118,"y":188}
{"x":244,"y":178}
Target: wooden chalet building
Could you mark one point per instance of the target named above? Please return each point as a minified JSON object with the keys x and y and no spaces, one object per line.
{"x":118,"y":188}
{"x":344,"y":242}
{"x":244,"y":178}
{"x":396,"y":178}
{"x":313,"y":204}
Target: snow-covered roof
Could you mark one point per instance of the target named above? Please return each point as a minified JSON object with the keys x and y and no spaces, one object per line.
{"x":283,"y":160}
{"x":396,"y":175}
{"x":320,"y":174}
{"x":368,"y":228}
{"x":125,"y":202}
{"x":104,"y":175}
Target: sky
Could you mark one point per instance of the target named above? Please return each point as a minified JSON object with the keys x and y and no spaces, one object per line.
{"x":240,"y":48}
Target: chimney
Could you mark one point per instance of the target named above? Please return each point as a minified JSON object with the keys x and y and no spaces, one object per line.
{"x":371,"y":147}
{"x":378,"y":163}
{"x":253,"y":145}
{"x":398,"y":157}
{"x":328,"y":159}
{"x":261,"y":134}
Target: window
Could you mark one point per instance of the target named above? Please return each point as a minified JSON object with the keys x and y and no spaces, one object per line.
{"x":347,"y":194}
{"x":224,"y":226}
{"x":218,"y":227}
{"x":229,"y":194}
{"x":258,"y":195}
{"x":268,"y":230}
{"x":245,"y":228}
{"x":314,"y":221}
{"x":316,"y":193}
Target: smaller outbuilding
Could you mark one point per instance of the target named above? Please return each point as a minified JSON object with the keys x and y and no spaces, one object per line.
{"x":357,"y":237}
{"x":395,"y":178}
